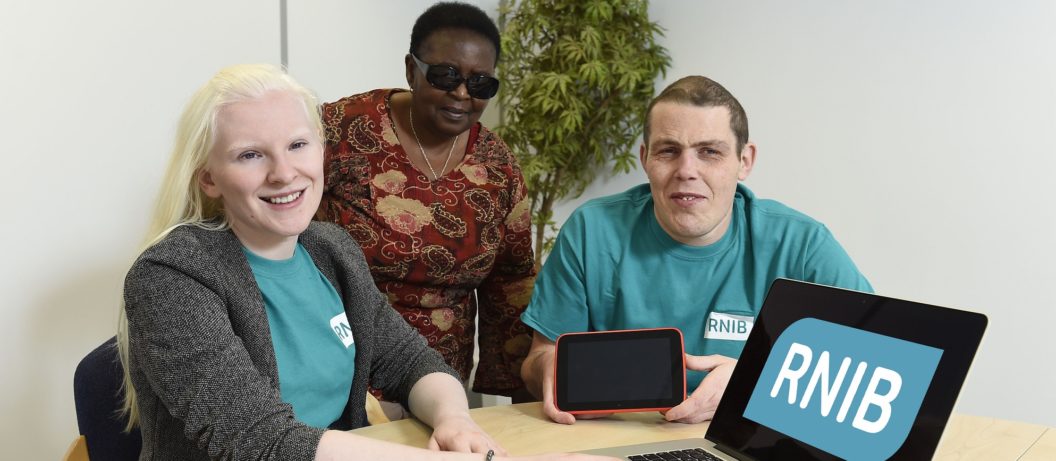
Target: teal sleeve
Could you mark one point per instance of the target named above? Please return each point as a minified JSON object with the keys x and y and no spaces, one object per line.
{"x":827,"y":263}
{"x":559,"y":300}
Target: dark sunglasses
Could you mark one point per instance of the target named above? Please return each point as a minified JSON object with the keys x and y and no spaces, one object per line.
{"x":447,"y":78}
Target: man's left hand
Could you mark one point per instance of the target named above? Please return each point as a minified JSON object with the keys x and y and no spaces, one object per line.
{"x":701,"y":404}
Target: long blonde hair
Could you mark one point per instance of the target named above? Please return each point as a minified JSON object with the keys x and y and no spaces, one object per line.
{"x":181,"y":200}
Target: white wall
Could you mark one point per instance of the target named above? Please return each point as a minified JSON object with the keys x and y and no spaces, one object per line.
{"x":921,"y":134}
{"x":90,"y":94}
{"x":918,"y":131}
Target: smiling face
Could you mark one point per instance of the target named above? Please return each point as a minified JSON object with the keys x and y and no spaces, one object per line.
{"x":445,"y":114}
{"x":266,"y":167}
{"x":693,"y":167}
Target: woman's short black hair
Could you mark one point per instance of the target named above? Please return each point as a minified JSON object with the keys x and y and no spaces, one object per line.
{"x":454,"y":15}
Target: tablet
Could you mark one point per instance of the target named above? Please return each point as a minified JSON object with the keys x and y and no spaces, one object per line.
{"x":620,"y":371}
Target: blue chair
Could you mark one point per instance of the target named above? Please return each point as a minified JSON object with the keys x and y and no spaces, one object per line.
{"x":98,"y":398}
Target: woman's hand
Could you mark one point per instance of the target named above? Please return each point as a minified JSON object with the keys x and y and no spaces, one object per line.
{"x":439,"y":400}
{"x":460,"y":433}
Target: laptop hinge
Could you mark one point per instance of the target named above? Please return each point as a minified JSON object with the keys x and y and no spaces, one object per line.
{"x":732,"y":452}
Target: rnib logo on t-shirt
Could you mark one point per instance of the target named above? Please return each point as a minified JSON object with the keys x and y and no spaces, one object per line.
{"x":340,"y":326}
{"x":852,"y":393}
{"x":728,"y":326}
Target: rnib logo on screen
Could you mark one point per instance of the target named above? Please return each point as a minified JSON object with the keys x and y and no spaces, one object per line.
{"x":852,"y":393}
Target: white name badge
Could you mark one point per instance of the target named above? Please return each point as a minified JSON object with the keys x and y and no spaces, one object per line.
{"x":340,"y":326}
{"x":728,"y":326}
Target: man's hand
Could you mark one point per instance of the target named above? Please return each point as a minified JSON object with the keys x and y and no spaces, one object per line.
{"x":460,"y":433}
{"x":551,"y":410}
{"x":538,"y":374}
{"x":701,"y":405}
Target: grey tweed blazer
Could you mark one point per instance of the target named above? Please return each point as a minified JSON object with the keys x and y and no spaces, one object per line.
{"x":201,"y":356}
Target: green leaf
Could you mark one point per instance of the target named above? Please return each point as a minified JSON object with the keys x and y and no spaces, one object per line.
{"x":577,"y":76}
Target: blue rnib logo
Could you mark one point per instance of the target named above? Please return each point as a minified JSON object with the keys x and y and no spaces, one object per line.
{"x":852,"y":393}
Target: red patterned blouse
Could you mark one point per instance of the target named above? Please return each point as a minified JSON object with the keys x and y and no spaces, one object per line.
{"x":431,"y":244}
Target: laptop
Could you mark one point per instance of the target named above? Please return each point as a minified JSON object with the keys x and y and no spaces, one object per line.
{"x":830,"y":374}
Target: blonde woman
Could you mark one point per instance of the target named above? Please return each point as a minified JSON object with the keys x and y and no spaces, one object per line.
{"x":250,"y":332}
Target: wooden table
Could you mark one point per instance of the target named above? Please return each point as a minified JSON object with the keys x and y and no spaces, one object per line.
{"x":523,"y":430}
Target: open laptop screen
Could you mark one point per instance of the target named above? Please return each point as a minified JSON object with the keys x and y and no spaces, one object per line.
{"x":817,"y":314}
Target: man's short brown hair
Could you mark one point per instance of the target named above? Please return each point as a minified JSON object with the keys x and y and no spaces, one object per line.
{"x":703,"y":92}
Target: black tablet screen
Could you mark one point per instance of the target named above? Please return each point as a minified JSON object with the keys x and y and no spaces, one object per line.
{"x":620,"y":370}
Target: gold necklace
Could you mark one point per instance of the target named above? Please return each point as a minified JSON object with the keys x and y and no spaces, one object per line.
{"x":410,"y":112}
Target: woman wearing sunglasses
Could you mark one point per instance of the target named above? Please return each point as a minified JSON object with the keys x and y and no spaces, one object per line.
{"x":435,"y":200}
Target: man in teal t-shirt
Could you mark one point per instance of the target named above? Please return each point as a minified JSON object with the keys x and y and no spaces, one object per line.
{"x":693,"y":249}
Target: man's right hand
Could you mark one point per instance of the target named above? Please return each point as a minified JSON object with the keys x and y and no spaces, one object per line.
{"x":538,"y":374}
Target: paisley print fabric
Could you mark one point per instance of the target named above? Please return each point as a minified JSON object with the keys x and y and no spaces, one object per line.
{"x":439,"y":250}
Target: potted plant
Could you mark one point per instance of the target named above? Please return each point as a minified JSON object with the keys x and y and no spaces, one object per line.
{"x":576,"y":78}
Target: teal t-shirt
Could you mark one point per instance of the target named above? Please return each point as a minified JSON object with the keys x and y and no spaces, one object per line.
{"x":613,"y":267}
{"x":314,"y":348}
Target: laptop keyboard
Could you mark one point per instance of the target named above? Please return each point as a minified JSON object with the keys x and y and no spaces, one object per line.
{"x":692,"y":454}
